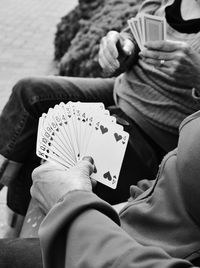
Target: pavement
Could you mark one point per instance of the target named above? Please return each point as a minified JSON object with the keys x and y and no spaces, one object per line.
{"x":27,"y":30}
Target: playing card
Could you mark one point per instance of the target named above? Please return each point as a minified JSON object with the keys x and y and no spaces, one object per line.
{"x":137,"y":33}
{"x":154,"y":28}
{"x":145,"y":27}
{"x":46,"y":151}
{"x":58,"y":137}
{"x":68,"y":132}
{"x":107,"y":147}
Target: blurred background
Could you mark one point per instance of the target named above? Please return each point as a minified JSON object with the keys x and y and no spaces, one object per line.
{"x":27,"y":32}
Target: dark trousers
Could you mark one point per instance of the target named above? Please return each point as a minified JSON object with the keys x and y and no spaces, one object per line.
{"x":20,"y":253}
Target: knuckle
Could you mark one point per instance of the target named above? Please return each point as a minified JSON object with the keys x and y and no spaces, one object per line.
{"x":178,"y":58}
{"x":174,"y":68}
{"x":171,"y":71}
{"x":185,"y":47}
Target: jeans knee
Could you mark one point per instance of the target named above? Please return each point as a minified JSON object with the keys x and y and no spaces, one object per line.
{"x":26,"y":90}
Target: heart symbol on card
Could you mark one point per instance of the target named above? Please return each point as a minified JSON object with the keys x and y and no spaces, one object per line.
{"x":118,"y":137}
{"x":103,"y":129}
{"x":107,"y":176}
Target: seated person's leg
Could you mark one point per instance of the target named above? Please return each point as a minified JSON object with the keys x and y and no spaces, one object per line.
{"x":18,"y":197}
{"x":20,"y":253}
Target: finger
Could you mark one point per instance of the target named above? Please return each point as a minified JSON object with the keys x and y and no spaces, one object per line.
{"x":111,"y":40}
{"x":157,"y":62}
{"x":89,"y":159}
{"x":157,"y":55}
{"x":107,"y":55}
{"x":165,"y":45}
{"x":165,"y":69}
{"x":107,"y":63}
{"x":87,"y":164}
{"x":94,"y":182}
{"x":127,"y":46}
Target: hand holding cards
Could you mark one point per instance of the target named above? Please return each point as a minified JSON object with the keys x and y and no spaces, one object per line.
{"x":145,"y":27}
{"x":68,"y":132}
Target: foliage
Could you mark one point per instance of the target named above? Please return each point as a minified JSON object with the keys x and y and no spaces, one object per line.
{"x":95,"y":19}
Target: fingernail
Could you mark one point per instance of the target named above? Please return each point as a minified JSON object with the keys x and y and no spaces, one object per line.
{"x":89,"y":159}
{"x":95,"y":169}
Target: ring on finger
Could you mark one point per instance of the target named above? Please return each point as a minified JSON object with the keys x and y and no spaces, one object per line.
{"x":162,"y":62}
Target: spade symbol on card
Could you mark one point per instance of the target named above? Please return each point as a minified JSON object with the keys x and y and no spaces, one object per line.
{"x":103,"y":129}
{"x":117,"y":137}
{"x":107,"y":176}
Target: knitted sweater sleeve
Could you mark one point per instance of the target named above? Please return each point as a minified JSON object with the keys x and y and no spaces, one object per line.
{"x":150,"y":6}
{"x":83,"y":231}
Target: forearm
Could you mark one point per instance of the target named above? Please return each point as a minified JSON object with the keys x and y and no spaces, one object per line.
{"x":83,"y":231}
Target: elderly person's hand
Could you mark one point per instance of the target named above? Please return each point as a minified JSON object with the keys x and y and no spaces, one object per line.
{"x":51,"y":181}
{"x":176,"y":59}
{"x":116,"y":49}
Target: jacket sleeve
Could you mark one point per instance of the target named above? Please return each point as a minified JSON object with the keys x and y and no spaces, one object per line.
{"x":188,"y":164}
{"x":83,"y":231}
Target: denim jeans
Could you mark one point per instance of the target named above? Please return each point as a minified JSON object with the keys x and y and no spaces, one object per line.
{"x":19,"y":120}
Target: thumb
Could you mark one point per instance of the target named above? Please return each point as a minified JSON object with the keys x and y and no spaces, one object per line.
{"x":87,"y":164}
{"x":127,"y":46}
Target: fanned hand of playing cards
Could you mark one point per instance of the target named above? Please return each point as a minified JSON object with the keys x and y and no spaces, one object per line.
{"x":145,"y":27}
{"x":68,"y":132}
